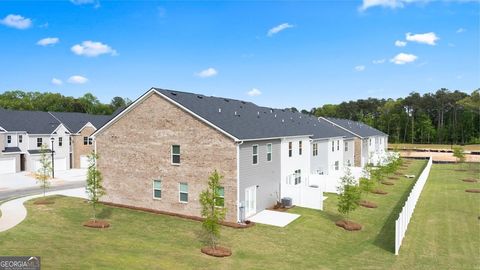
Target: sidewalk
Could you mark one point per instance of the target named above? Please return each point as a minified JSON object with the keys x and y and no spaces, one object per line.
{"x":14,"y":212}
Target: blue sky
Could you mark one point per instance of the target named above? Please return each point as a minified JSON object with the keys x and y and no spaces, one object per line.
{"x":277,"y":54}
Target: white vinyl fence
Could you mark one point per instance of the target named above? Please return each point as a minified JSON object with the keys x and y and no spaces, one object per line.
{"x":303,"y":194}
{"x":407,"y":211}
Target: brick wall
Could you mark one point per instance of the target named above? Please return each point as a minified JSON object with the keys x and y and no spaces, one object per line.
{"x":135,"y":150}
{"x":79,"y":149}
{"x":357,"y":156}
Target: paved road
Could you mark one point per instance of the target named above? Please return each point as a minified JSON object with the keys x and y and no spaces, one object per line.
{"x":14,"y":193}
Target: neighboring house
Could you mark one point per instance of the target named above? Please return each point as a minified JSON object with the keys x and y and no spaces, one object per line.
{"x":81,"y":126}
{"x":370,"y":144}
{"x":159,"y":152}
{"x":22,"y":133}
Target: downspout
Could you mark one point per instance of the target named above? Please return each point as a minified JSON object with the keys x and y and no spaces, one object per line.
{"x":238,"y":180}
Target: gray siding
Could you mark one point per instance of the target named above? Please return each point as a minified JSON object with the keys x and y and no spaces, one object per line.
{"x":265,"y":174}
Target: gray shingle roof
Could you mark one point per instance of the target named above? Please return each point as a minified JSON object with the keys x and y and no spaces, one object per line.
{"x":358,"y":128}
{"x":33,"y":122}
{"x":247,"y":121}
{"x":11,"y":150}
{"x":75,"y":121}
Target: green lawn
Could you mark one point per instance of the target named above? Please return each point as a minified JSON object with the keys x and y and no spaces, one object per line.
{"x":444,"y":234}
{"x":400,"y":146}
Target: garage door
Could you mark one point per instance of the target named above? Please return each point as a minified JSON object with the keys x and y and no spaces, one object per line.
{"x":60,"y":164}
{"x":7,"y":165}
{"x":84,"y":162}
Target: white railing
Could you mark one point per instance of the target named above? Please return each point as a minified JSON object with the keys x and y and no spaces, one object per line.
{"x":401,"y":223}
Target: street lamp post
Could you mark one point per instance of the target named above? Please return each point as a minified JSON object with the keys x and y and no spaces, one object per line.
{"x":52,"y":139}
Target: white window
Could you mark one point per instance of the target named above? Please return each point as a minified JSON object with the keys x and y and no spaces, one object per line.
{"x":269,"y":152}
{"x":220,"y":198}
{"x":337,"y":165}
{"x":60,"y":141}
{"x":9,"y":139}
{"x":333,"y":146}
{"x":183,"y":192}
{"x":90,"y":141}
{"x":20,"y":138}
{"x":85,"y":140}
{"x":290,"y":150}
{"x":157,"y":189}
{"x":300,"y":148}
{"x":175,"y":154}
{"x":346,"y":146}
{"x":255,"y":154}
{"x":338,"y":145}
{"x":39,"y":142}
{"x":349,"y":163}
{"x":315,"y":149}
{"x":370,"y":141}
{"x":298,"y":177}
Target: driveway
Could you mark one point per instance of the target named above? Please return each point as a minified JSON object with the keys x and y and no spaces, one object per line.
{"x":27,"y":179}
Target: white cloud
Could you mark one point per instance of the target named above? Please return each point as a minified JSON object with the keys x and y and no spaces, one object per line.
{"x":48,"y":41}
{"x":427,"y":38}
{"x":359,"y":68}
{"x":57,"y":81}
{"x":383,"y":3}
{"x":461,"y":30}
{"x":254,"y":92}
{"x":77,"y":79}
{"x":209,"y":72}
{"x":91,"y":49}
{"x":278,"y":29}
{"x":378,"y":61}
{"x":403,"y":58}
{"x":16,"y":21}
{"x":400,"y":43}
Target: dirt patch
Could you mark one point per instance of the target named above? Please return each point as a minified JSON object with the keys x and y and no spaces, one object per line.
{"x":98,"y":224}
{"x":348,"y":225}
{"x":43,"y":202}
{"x":472,"y":190}
{"x":379,"y":192}
{"x":393,"y":178}
{"x":470,"y":180}
{"x":367,"y":204}
{"x":387,"y":183}
{"x":217,"y":252}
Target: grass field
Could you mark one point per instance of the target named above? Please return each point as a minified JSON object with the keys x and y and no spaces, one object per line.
{"x":470,"y":147}
{"x":444,"y":234}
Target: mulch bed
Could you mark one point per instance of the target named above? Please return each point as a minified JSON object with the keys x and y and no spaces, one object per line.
{"x":224,"y":223}
{"x":281,"y":209}
{"x":98,"y":224}
{"x":217,"y":252}
{"x":470,"y":180}
{"x":367,"y":204}
{"x":379,"y":192}
{"x":387,"y":183}
{"x":43,"y":202}
{"x":348,"y":225}
{"x":473,"y":190}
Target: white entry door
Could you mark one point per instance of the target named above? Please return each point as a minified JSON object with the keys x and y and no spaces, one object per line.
{"x":250,"y":201}
{"x":84,"y":162}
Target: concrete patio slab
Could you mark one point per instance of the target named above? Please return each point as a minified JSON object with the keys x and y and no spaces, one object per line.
{"x":274,"y":218}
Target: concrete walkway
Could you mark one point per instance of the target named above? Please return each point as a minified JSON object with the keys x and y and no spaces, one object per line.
{"x":274,"y":218}
{"x":14,"y":212}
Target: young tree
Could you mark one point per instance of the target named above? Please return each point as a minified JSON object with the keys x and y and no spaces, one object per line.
{"x":349,"y":197}
{"x":459,"y":154}
{"x":94,"y":187}
{"x":213,"y":211}
{"x":45,"y":171}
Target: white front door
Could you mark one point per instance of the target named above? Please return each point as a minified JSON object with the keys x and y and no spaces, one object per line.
{"x":250,"y":201}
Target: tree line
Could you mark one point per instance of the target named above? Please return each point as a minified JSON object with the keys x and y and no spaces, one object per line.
{"x":442,"y":117}
{"x":55,"y":102}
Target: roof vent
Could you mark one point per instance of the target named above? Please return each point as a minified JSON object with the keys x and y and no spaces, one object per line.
{"x":243,"y":102}
{"x":271,"y":110}
{"x":200,"y":97}
{"x":173,"y":93}
{"x":219,"y":109}
{"x":258,"y":113}
{"x":235,"y":112}
{"x":283,"y":120}
{"x":226,"y":100}
{"x":275,"y":115}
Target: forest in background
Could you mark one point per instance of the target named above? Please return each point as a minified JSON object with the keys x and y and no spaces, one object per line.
{"x":443,"y":117}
